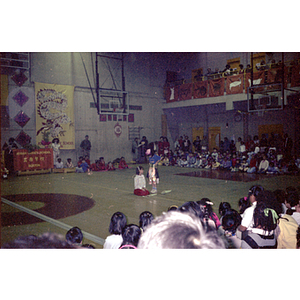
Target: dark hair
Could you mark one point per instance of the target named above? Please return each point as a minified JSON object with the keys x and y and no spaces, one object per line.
{"x":265,"y":217}
{"x":244,"y":203}
{"x":55,"y":139}
{"x":117,"y":223}
{"x":88,"y":246}
{"x":292,"y":199}
{"x":74,"y":235}
{"x":255,"y":190}
{"x":191,"y":207}
{"x":280,"y":195}
{"x":206,"y":211}
{"x":47,"y":240}
{"x":224,"y":207}
{"x":146,"y":218}
{"x":231,"y":220}
{"x":131,"y":235}
{"x":137,"y":172}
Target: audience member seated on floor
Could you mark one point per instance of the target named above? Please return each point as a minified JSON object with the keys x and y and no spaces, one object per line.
{"x":99,"y":165}
{"x":262,"y":234}
{"x":131,"y":236}
{"x":79,"y":161}
{"x":296,"y":213}
{"x":87,"y":160}
{"x":287,"y":226}
{"x":206,"y":208}
{"x":252,"y":164}
{"x":69,"y":163}
{"x":145,"y":219}
{"x":272,"y":170}
{"x":230,"y":222}
{"x":263,"y":165}
{"x":247,"y":217}
{"x":291,"y":198}
{"x":292,"y":205}
{"x":74,"y":236}
{"x":224,"y":207}
{"x":59,"y":164}
{"x":110,"y":166}
{"x":83,"y":168}
{"x":122,"y":163}
{"x":117,"y":224}
{"x":243,"y":204}
{"x":47,"y":240}
{"x":177,"y":230}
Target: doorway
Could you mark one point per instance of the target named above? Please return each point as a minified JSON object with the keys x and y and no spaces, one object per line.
{"x":214,"y":138}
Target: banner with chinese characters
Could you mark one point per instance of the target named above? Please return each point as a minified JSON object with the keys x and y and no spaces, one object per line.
{"x":36,"y":160}
{"x":55,"y":114}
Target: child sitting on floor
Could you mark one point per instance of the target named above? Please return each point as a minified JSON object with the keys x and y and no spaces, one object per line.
{"x":110,"y":166}
{"x":59,"y":164}
{"x":122,"y":163}
{"x":140,"y":183}
{"x":69,"y":163}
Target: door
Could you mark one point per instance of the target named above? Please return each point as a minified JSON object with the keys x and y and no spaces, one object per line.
{"x":214,"y":136}
{"x":197,"y":131}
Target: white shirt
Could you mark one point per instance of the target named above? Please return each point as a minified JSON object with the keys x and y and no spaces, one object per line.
{"x":139,"y":182}
{"x":113,"y":241}
{"x":296,"y":216}
{"x":248,"y":220}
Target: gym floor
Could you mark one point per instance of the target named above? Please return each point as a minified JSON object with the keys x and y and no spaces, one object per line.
{"x":89,"y":201}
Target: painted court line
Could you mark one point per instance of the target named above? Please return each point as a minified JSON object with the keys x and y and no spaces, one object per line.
{"x":64,"y":226}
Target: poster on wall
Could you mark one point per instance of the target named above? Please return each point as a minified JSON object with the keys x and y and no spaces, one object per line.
{"x":55,"y":114}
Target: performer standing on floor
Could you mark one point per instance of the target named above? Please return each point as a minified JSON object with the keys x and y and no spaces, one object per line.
{"x":153,"y":175}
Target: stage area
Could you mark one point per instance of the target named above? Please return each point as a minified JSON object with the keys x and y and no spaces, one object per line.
{"x":89,"y":201}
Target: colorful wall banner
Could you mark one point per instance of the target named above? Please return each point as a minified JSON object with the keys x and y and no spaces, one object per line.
{"x":35,"y":160}
{"x":275,"y":75}
{"x":55,"y":114}
{"x":258,"y":78}
{"x":200,"y":89}
{"x":216,"y":87}
{"x":185,"y":91}
{"x":234,"y":84}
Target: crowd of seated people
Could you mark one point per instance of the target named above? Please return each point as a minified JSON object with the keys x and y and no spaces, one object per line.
{"x":265,"y":220}
{"x":253,"y":156}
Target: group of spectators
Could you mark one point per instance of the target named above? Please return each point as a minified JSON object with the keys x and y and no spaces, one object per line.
{"x":273,"y":156}
{"x":264,"y":220}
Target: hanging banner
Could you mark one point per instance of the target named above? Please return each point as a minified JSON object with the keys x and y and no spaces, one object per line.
{"x":55,"y":114}
{"x":258,"y":78}
{"x":200,"y":89}
{"x":275,"y":76}
{"x":295,"y":78}
{"x":216,"y":87}
{"x":171,"y":93}
{"x":185,"y":91}
{"x":234,"y":84}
